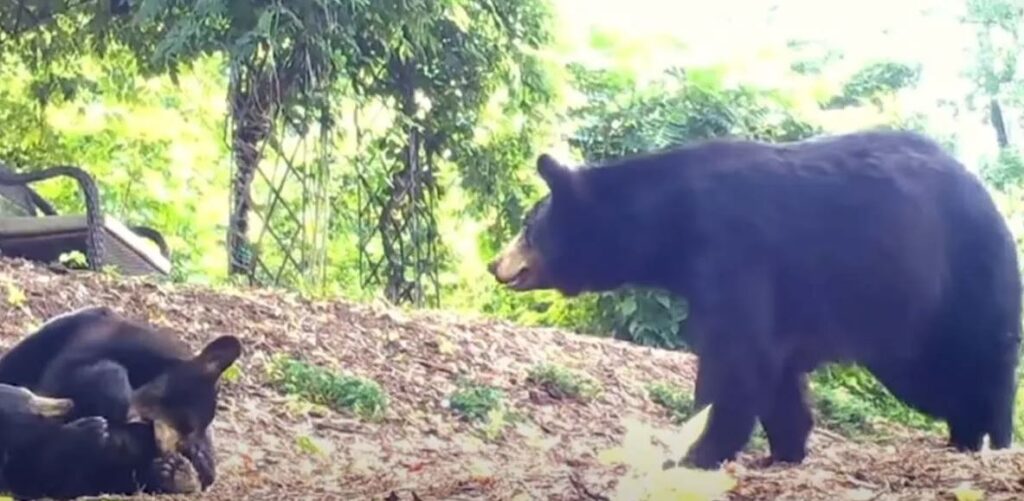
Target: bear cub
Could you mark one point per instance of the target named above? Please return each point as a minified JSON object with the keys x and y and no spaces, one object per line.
{"x":157,"y":398}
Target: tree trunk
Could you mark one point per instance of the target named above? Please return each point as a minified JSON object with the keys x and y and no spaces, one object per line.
{"x":252,"y":110}
{"x":998,"y":124}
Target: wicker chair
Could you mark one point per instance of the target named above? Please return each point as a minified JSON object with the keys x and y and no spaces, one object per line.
{"x":106,"y":241}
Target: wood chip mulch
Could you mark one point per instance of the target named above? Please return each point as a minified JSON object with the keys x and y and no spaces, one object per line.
{"x":420,"y":450}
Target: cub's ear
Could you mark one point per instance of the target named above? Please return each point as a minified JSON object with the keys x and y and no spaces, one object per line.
{"x":217,"y":356}
{"x":558,"y":177}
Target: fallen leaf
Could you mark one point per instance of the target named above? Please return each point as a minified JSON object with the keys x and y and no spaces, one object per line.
{"x":964,"y":492}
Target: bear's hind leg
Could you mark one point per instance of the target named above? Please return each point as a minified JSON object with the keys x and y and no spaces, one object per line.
{"x":98,"y":389}
{"x":1002,"y":399}
{"x":788,"y":420}
{"x":1001,"y":429}
{"x":985,"y":406}
{"x":966,"y":432}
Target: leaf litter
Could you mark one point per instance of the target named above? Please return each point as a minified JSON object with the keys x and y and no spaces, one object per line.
{"x":270,"y":446}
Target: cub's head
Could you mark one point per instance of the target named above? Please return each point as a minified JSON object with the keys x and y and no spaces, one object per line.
{"x":181,"y":403}
{"x":566,"y":243}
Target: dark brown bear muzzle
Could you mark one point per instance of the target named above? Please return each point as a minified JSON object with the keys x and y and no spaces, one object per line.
{"x":518,"y":266}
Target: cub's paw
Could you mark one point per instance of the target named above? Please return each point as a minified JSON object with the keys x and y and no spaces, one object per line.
{"x":200,"y":453}
{"x":92,"y":430}
{"x":173,"y":474}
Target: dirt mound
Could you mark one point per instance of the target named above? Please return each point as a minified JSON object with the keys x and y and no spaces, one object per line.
{"x":271,"y":448}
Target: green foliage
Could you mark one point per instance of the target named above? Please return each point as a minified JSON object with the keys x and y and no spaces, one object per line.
{"x":875,"y":80}
{"x":811,"y":58}
{"x":850,"y":400}
{"x":646,"y":317}
{"x":363,"y":397}
{"x":840,"y":410}
{"x":484,"y":406}
{"x":151,"y":157}
{"x":1018,"y":414}
{"x":677,"y":401}
{"x":560,"y":382}
{"x":74,"y":260}
{"x":545,"y":308}
{"x":997,"y":44}
{"x":1006,"y":169}
{"x":474,"y":402}
{"x":468,"y":66}
{"x":232,"y":373}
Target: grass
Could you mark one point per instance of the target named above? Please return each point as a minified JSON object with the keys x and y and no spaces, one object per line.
{"x":850,"y":401}
{"x":475,"y":402}
{"x":560,"y":382}
{"x":484,"y":405}
{"x":359,"y":396}
{"x":678,"y":402}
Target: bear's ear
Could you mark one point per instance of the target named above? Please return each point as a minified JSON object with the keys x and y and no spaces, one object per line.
{"x":217,"y":356}
{"x":557,"y":176}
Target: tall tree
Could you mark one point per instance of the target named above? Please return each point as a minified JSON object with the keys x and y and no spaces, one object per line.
{"x":437,"y":64}
{"x":998,"y":31}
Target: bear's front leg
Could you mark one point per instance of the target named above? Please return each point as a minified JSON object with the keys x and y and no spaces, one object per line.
{"x":731,"y":318}
{"x":200,"y":453}
{"x":732,"y":418}
{"x":172,"y":474}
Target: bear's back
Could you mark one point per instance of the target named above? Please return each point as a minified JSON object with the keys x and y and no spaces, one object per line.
{"x":86,"y":336}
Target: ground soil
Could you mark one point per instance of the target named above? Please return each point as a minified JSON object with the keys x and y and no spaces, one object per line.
{"x":421,"y":450}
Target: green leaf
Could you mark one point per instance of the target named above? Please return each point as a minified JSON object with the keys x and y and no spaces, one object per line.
{"x":459,"y":16}
{"x":628,"y":306}
{"x":307,"y":445}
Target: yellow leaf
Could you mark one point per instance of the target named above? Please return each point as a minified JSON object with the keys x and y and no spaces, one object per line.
{"x":480,"y":469}
{"x":694,"y":426}
{"x":308,"y":445}
{"x":445,"y":347}
{"x":648,"y":480}
{"x":964,"y":492}
{"x":680,"y":484}
{"x":15,"y":296}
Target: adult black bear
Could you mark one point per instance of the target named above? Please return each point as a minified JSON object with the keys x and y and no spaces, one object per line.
{"x":157,"y":398}
{"x":874,"y":247}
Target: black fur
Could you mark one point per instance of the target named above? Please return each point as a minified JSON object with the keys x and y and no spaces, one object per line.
{"x":29,"y":438}
{"x":132,"y":376}
{"x":874,"y":247}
